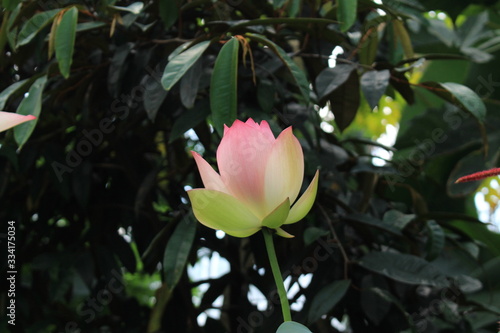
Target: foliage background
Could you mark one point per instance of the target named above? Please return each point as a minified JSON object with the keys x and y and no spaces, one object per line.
{"x":96,"y":186}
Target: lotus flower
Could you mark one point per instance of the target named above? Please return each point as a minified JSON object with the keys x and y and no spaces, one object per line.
{"x":258,"y":183}
{"x":9,"y":119}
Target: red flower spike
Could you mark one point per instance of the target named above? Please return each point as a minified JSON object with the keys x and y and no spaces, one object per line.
{"x":479,"y":175}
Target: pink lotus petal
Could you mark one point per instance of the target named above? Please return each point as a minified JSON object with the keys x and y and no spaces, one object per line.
{"x":9,"y":119}
{"x":284,"y":170}
{"x":210,"y":178}
{"x":242,"y":158}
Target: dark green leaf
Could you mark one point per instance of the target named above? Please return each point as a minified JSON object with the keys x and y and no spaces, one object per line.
{"x":10,"y":4}
{"x":346,"y":13}
{"x":179,"y":65}
{"x":372,"y":221}
{"x":292,"y":327}
{"x":330,"y":79}
{"x":404,"y":268}
{"x":34,"y":25}
{"x":7,"y":92}
{"x":397,"y":219}
{"x":387,"y":296}
{"x":224,"y":87}
{"x":311,"y":234}
{"x":374,"y":84}
{"x":435,"y":241}
{"x":169,"y":11}
{"x":293,"y":7}
{"x":480,"y":233}
{"x":374,"y":306}
{"x":31,"y":104}
{"x":189,"y":84}
{"x":460,"y":96}
{"x":326,"y":299}
{"x":65,"y":40}
{"x":154,"y":95}
{"x":85,"y":26}
{"x":401,"y":84}
{"x":344,"y":101}
{"x":177,"y":250}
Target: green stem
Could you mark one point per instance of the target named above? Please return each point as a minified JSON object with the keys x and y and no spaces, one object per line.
{"x":278,"y":279}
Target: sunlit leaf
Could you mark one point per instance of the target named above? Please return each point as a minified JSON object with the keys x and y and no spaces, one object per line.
{"x":34,"y":25}
{"x":179,"y":65}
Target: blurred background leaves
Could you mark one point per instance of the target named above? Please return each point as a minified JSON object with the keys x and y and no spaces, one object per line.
{"x":392,"y":100}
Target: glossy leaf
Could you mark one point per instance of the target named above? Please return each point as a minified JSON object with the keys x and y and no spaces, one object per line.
{"x":326,"y":299}
{"x":374,"y":222}
{"x":479,"y":232}
{"x":346,"y":13}
{"x":134,"y":8}
{"x":330,"y":79}
{"x":224,"y":87}
{"x":404,"y":268}
{"x":7,"y":92}
{"x":34,"y":25}
{"x":292,"y":327}
{"x":374,"y":84}
{"x":180,"y":64}
{"x":31,"y":104}
{"x":460,"y":96}
{"x":397,"y":219}
{"x":65,"y":40}
{"x":177,"y":250}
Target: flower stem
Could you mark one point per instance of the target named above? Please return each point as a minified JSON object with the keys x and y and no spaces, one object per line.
{"x":278,"y":279}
